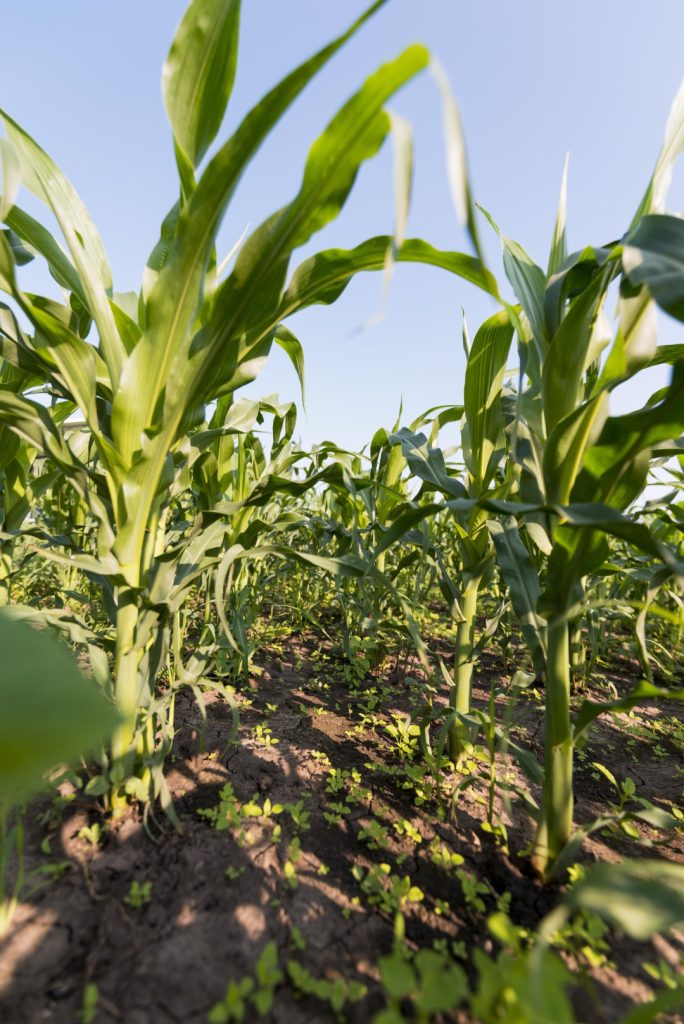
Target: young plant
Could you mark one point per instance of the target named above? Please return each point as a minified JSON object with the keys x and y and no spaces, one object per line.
{"x":258,"y":990}
{"x":430,"y":981}
{"x":580,"y":468}
{"x":154,"y":360}
{"x":483,"y":441}
{"x":336,"y":993}
{"x":139,"y":894}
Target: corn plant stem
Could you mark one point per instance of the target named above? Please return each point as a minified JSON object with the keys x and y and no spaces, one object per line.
{"x":577,"y":654}
{"x":207,"y":583}
{"x":10,"y":836}
{"x":5,"y":572}
{"x":126,"y":678}
{"x":461,"y":691}
{"x":175,"y":656}
{"x":555,"y":823}
{"x":491,"y":751}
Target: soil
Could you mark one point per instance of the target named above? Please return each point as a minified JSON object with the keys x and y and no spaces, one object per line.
{"x":170,"y":959}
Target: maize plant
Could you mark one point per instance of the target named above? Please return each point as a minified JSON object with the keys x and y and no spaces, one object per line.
{"x":139,"y":369}
{"x":253,"y":496}
{"x":183,"y":544}
{"x":573,"y":470}
{"x":581,"y":469}
{"x":486,"y":477}
{"x":367,"y":507}
{"x":19,"y":486}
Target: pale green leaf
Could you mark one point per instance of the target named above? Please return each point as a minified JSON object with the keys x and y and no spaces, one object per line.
{"x":199,"y":73}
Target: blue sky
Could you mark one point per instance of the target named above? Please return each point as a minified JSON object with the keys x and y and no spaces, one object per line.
{"x":534,"y":81}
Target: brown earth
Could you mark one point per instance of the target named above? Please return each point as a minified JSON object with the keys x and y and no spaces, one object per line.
{"x":171,"y":959}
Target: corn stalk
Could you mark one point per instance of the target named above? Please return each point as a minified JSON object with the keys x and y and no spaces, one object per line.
{"x":187,"y":339}
{"x":580,"y":468}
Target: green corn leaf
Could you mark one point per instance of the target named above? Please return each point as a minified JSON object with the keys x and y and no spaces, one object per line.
{"x":32,"y":422}
{"x":49,"y":713}
{"x":643,"y":693}
{"x":652,"y":1010}
{"x":292,"y":346}
{"x":38,"y":238}
{"x":566,"y":446}
{"x":444,"y":414}
{"x":566,"y":358}
{"x":176,"y":293}
{"x":11,"y":177}
{"x":641,"y":897}
{"x":390,"y":465}
{"x":16,"y":348}
{"x":159,"y":256}
{"x":199,"y":73}
{"x":45,"y":179}
{"x":653,"y":255}
{"x":673,"y":145}
{"x":580,"y":547}
{"x":248,"y":301}
{"x":402,"y":138}
{"x":528,"y":282}
{"x":403,"y":523}
{"x":559,"y":249}
{"x":126,"y":324}
{"x":22,"y":253}
{"x":322,"y":278}
{"x":456,"y":158}
{"x":574,"y":277}
{"x":401,"y":132}
{"x":74,"y":358}
{"x":666,"y":354}
{"x":51,"y":621}
{"x":657,"y":578}
{"x":482,"y":392}
{"x":521,"y":578}
{"x":427,"y":463}
{"x":635,"y":344}
{"x":101,"y":567}
{"x":622,"y":440}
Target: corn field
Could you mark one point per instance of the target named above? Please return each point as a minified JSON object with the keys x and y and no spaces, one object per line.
{"x":317,"y":734}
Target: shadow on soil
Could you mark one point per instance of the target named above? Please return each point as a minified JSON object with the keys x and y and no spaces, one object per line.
{"x":170,"y":959}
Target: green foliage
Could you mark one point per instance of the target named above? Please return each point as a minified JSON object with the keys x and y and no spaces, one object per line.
{"x":641,"y":897}
{"x":258,"y":990}
{"x":160,"y":356}
{"x":336,"y":993}
{"x":168,"y":530}
{"x":512,"y":990}
{"x":91,"y":998}
{"x":430,"y":982}
{"x":49,"y":712}
{"x":139,"y":894}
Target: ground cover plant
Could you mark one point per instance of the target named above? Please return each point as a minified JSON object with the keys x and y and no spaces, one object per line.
{"x":327,"y":735}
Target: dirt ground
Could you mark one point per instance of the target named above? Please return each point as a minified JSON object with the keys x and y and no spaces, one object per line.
{"x":219,"y":895}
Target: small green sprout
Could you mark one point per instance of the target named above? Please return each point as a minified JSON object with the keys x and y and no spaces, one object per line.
{"x":139,"y":894}
{"x":91,"y":833}
{"x":89,"y":1003}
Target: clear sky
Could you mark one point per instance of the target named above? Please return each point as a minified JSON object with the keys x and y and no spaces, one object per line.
{"x":534,"y":80}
